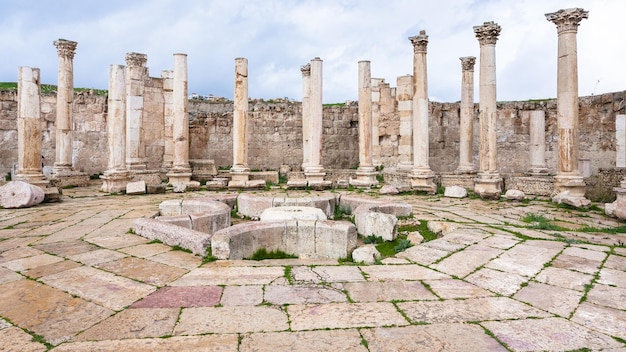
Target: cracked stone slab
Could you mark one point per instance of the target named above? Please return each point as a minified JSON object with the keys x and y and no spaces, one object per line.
{"x":607,"y":320}
{"x":613,"y":277}
{"x":279,"y":294}
{"x":132,"y":324}
{"x":146,"y":250}
{"x":344,"y":316}
{"x":251,"y":295}
{"x":230,"y":276}
{"x":444,"y":245}
{"x":464,"y":262}
{"x":564,"y":278}
{"x":50,"y":269}
{"x":450,"y":289}
{"x":554,"y":299}
{"x":319,"y":274}
{"x":112,"y":291}
{"x":577,"y":263}
{"x":475,"y":309}
{"x":524,"y":259}
{"x":7,"y":275}
{"x":31,"y":262}
{"x":608,"y":296}
{"x":143,"y":270}
{"x":401,"y":272}
{"x":57,"y":318}
{"x":181,"y":296}
{"x":388,"y":291}
{"x":499,"y":241}
{"x":15,"y":339}
{"x":206,"y":343}
{"x":585,"y":253}
{"x":430,"y":338}
{"x":178,"y":259}
{"x":497,"y":281}
{"x":422,"y":254}
{"x":230,"y":320}
{"x":616,"y":262}
{"x":304,"y":341}
{"x":98,"y":256}
{"x":66,"y":248}
{"x":550,"y":334}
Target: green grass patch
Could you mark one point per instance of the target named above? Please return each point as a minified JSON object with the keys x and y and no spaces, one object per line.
{"x":422,"y":228}
{"x":540,"y":222}
{"x":155,"y":241}
{"x":402,"y":245}
{"x":288,"y":275}
{"x":208,"y":257}
{"x":610,"y":230}
{"x":179,"y":248}
{"x":263,"y":253}
{"x":131,"y":231}
{"x":391,"y":248}
{"x":373,"y":239}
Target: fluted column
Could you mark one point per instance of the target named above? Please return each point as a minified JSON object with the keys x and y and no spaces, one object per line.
{"x":366,"y":174}
{"x":180,"y":173}
{"x":537,"y":146}
{"x":65,"y":95}
{"x":306,"y":115}
{"x":116,"y":177}
{"x":568,"y":178}
{"x":421,"y":174}
{"x":488,"y":184}
{"x":466,"y":137}
{"x":29,"y":127}
{"x":135,"y":74}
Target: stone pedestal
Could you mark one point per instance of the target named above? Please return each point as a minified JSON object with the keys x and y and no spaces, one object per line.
{"x":180,"y":173}
{"x":618,"y":207}
{"x":421,"y":175}
{"x":568,"y":177}
{"x":465,"y":180}
{"x":466,"y":163}
{"x":366,"y":173}
{"x":488,"y":183}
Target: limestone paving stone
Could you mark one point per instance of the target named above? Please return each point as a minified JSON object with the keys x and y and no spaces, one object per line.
{"x":592,"y":247}
{"x":98,"y":256}
{"x":616,"y":262}
{"x":450,"y":289}
{"x":98,"y":286}
{"x":553,"y":299}
{"x":143,"y":270}
{"x":524,"y":259}
{"x":422,"y":254}
{"x":15,"y":339}
{"x":612,"y":277}
{"x":46,"y":311}
{"x":499,"y":241}
{"x":607,"y":320}
{"x":178,"y":259}
{"x":31,"y":262}
{"x":222,"y":320}
{"x":304,"y":341}
{"x":115,"y":241}
{"x":66,"y":248}
{"x":474,"y":309}
{"x":550,"y":334}
{"x":466,"y":236}
{"x":131,"y":324}
{"x":7,"y":275}
{"x":181,"y":296}
{"x":10,"y":254}
{"x":344,"y":315}
{"x":297,"y":294}
{"x":320,"y":274}
{"x":50,"y":269}
{"x":401,"y":272}
{"x":146,"y":250}
{"x":620,"y":250}
{"x":497,"y":281}
{"x":242,"y":295}
{"x":72,"y":233}
{"x":431,"y":338}
{"x":577,"y":263}
{"x":444,"y":245}
{"x":388,"y":291}
{"x":464,"y":262}
{"x":585,"y":253}
{"x":230,"y":276}
{"x":206,"y":343}
{"x":572,"y":280}
{"x":4,"y":324}
{"x":608,"y":296}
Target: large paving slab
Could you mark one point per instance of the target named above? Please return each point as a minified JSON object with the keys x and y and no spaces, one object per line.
{"x":550,"y":334}
{"x":497,"y":281}
{"x":423,"y":255}
{"x":7,"y":275}
{"x":455,"y":289}
{"x":242,"y":295}
{"x":230,"y":276}
{"x":328,"y":274}
{"x":607,"y":320}
{"x":97,"y":256}
{"x":344,"y":315}
{"x":465,"y":262}
{"x":51,"y":313}
{"x":388,"y":291}
{"x":305,"y":294}
{"x":133,"y":323}
{"x":206,"y":343}
{"x":31,"y":262}
{"x":573,"y":280}
{"x":194,"y":321}
{"x":15,"y":339}
{"x":431,"y":338}
{"x":554,"y":299}
{"x":526,"y":259}
{"x":182,"y":296}
{"x":143,"y":270}
{"x":101,"y":287}
{"x":304,"y":341}
{"x":608,"y":296}
{"x":66,"y":248}
{"x":401,"y":272}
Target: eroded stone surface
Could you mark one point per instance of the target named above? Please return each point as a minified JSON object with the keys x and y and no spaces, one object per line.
{"x":208,"y":343}
{"x":344,"y":315}
{"x":242,"y":295}
{"x":388,"y":291}
{"x":181,"y":296}
{"x":401,"y":272}
{"x":572,"y":280}
{"x":143,"y":270}
{"x":230,"y":276}
{"x":15,"y":339}
{"x":280,"y":294}
{"x":450,"y":288}
{"x":304,"y":341}
{"x":466,"y":261}
{"x":133,"y":323}
{"x":607,"y":320}
{"x":497,"y":281}
{"x":222,"y":320}
{"x":554,"y":299}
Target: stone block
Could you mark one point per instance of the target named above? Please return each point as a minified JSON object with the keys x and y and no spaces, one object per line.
{"x":388,"y":189}
{"x":440,"y":227}
{"x":253,"y":206}
{"x":513,"y":194}
{"x":366,"y":254}
{"x":137,"y":187}
{"x":197,"y":242}
{"x":334,"y":239}
{"x":575,"y":201}
{"x":171,"y":207}
{"x":415,"y":237}
{"x":178,"y":220}
{"x":20,"y":194}
{"x":370,"y":223}
{"x":155,"y":189}
{"x":193,"y":186}
{"x":455,"y":192}
{"x":292,"y":213}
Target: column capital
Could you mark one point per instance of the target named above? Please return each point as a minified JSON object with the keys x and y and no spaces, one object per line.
{"x":487,"y":33}
{"x":468,"y":63}
{"x":306,"y":70}
{"x":419,"y":42}
{"x":136,"y":59}
{"x":65,"y":48}
{"x":567,"y":19}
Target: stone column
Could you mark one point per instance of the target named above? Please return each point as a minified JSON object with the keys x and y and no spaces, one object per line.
{"x":568,"y":177}
{"x":65,"y":95}
{"x":29,"y":127}
{"x":314,"y":172}
{"x":538,"y":166}
{"x":116,"y":177}
{"x":378,"y":87}
{"x":488,"y":184}
{"x":620,"y":140}
{"x":180,"y":173}
{"x":168,"y":119}
{"x":421,"y":175}
{"x":404,"y":96}
{"x":466,"y":137}
{"x":366,"y":173}
{"x":135,"y":74}
{"x":306,"y":115}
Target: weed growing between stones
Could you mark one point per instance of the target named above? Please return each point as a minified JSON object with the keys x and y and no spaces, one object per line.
{"x":208,"y":257}
{"x":540,"y":222}
{"x":288,"y":275}
{"x":179,"y":248}
{"x":262,"y":253}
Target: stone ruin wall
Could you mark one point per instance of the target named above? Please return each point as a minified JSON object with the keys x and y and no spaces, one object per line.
{"x":276,"y":132}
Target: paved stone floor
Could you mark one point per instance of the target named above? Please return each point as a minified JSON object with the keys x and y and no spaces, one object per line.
{"x":74,"y":278}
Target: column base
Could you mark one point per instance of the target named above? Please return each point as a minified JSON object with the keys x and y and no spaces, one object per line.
{"x":136,"y":165}
{"x":422,"y":179}
{"x":465,"y":180}
{"x":488,"y":185}
{"x":618,"y":207}
{"x":465,"y":169}
{"x":404,"y":167}
{"x":574,"y":184}
{"x":240,"y":179}
{"x":37,"y":179}
{"x":537,"y":171}
{"x":179,"y":179}
{"x":66,"y":177}
{"x":315,"y":178}
{"x":365,"y":177}
{"x":114,"y":181}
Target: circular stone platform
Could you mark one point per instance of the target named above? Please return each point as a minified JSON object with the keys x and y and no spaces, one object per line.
{"x":293,"y":213}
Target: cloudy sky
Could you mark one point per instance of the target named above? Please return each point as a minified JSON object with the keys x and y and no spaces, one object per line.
{"x":278,"y":36}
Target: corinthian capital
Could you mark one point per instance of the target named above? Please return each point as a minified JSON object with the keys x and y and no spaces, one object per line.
{"x":567,"y":19}
{"x":136,"y":59}
{"x":468,"y":63}
{"x":306,"y":70}
{"x":419,"y":42}
{"x":65,"y":48}
{"x":487,"y":33}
